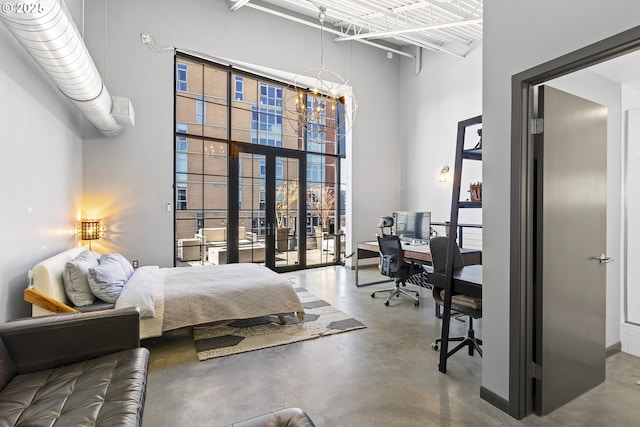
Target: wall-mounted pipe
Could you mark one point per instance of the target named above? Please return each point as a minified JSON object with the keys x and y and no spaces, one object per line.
{"x":47,"y":32}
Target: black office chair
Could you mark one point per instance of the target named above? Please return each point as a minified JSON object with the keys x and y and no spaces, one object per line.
{"x":462,"y":304}
{"x":392,"y":264}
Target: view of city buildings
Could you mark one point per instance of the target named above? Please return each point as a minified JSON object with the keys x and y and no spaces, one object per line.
{"x":251,"y":148}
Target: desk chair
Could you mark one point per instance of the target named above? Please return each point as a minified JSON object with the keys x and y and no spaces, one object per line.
{"x":392,"y":264}
{"x":462,"y":304}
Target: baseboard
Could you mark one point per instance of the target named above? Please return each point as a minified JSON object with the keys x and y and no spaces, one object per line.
{"x":613,"y":349}
{"x":494,"y":399}
{"x":503,"y":404}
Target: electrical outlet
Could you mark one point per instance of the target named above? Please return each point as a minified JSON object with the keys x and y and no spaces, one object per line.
{"x":134,"y":263}
{"x":144,"y":37}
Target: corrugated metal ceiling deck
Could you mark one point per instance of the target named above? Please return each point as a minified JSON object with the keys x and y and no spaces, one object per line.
{"x":448,"y":26}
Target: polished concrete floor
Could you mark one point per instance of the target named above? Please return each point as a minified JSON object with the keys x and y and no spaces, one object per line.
{"x":384,"y":375}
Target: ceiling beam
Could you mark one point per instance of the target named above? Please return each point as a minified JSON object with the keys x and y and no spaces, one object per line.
{"x":378,"y":34}
{"x":238,"y":4}
{"x":329,"y":30}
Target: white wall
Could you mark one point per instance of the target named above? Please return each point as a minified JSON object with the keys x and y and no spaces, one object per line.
{"x":447,"y":90}
{"x":40,"y":171}
{"x":517,"y":37}
{"x":630,"y":333}
{"x":128,"y":179}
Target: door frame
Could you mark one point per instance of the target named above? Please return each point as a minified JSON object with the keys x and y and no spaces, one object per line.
{"x":522,"y":238}
{"x":233,"y":212}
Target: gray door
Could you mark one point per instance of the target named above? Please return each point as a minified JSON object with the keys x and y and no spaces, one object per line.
{"x":570,"y":229}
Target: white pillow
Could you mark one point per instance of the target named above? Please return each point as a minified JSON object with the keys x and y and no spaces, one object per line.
{"x":75,"y":280}
{"x":107,"y":279}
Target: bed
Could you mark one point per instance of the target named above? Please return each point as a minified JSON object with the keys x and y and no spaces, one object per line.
{"x":173,"y":298}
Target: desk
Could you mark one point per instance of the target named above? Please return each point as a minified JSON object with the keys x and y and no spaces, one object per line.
{"x":419,"y":253}
{"x":467,"y":280}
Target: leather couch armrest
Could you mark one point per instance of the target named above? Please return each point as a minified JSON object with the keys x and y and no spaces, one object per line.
{"x":288,"y":417}
{"x":39,"y":343}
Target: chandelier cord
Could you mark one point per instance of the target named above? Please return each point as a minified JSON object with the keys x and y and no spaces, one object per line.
{"x":321,"y":16}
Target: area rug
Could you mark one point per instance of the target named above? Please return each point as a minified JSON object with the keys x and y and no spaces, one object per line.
{"x":321,"y":319}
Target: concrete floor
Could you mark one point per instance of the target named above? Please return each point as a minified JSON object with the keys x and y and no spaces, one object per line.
{"x":385,"y":375}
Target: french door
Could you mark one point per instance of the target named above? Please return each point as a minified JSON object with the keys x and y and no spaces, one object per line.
{"x":267,"y":191}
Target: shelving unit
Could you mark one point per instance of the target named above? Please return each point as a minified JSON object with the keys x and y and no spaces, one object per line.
{"x":469,"y":279}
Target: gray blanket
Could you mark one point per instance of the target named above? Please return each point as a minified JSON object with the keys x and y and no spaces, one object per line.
{"x":188,"y":296}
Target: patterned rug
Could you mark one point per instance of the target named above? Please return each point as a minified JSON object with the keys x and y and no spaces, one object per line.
{"x":320,"y":320}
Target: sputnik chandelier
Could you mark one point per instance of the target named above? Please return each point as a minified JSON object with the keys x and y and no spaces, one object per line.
{"x":327,"y":108}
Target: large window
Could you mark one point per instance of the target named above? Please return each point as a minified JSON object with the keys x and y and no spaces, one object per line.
{"x":216,"y":106}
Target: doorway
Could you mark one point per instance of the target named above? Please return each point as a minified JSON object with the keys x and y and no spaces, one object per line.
{"x":522,"y":267}
{"x":269,"y":210}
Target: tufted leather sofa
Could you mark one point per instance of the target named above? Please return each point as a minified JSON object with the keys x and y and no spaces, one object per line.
{"x":73,"y":369}
{"x":288,"y":417}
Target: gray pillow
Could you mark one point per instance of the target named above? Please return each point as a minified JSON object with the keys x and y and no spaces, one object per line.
{"x":107,"y":279}
{"x":75,"y":280}
{"x":124,"y":263}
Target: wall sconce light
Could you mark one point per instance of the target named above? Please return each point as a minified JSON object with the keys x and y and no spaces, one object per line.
{"x":444,"y":173}
{"x":90,"y":230}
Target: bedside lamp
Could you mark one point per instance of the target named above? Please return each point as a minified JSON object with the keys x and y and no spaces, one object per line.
{"x":89,"y":230}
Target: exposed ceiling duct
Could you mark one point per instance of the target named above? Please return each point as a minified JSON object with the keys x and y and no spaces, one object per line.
{"x":49,"y":34}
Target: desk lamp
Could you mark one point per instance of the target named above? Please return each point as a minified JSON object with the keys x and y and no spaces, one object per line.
{"x":385,"y":222}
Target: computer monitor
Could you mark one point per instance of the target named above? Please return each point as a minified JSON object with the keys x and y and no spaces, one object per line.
{"x":413,"y":225}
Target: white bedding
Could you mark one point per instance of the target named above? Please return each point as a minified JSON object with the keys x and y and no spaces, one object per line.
{"x":187,"y":296}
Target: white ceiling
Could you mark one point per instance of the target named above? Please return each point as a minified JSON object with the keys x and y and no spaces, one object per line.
{"x":449,"y":26}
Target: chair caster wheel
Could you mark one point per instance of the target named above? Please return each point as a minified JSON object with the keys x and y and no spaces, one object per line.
{"x":417,"y":303}
{"x":386,"y":303}
{"x":417,"y":294}
{"x":373,"y":294}
{"x":434,"y":346}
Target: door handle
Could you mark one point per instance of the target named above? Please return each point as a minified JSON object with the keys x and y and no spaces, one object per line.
{"x":603,"y":259}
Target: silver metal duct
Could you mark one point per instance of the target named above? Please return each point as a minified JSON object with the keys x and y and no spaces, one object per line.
{"x":48,"y":33}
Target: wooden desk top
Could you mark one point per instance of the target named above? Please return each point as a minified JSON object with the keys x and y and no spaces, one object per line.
{"x":423,"y":253}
